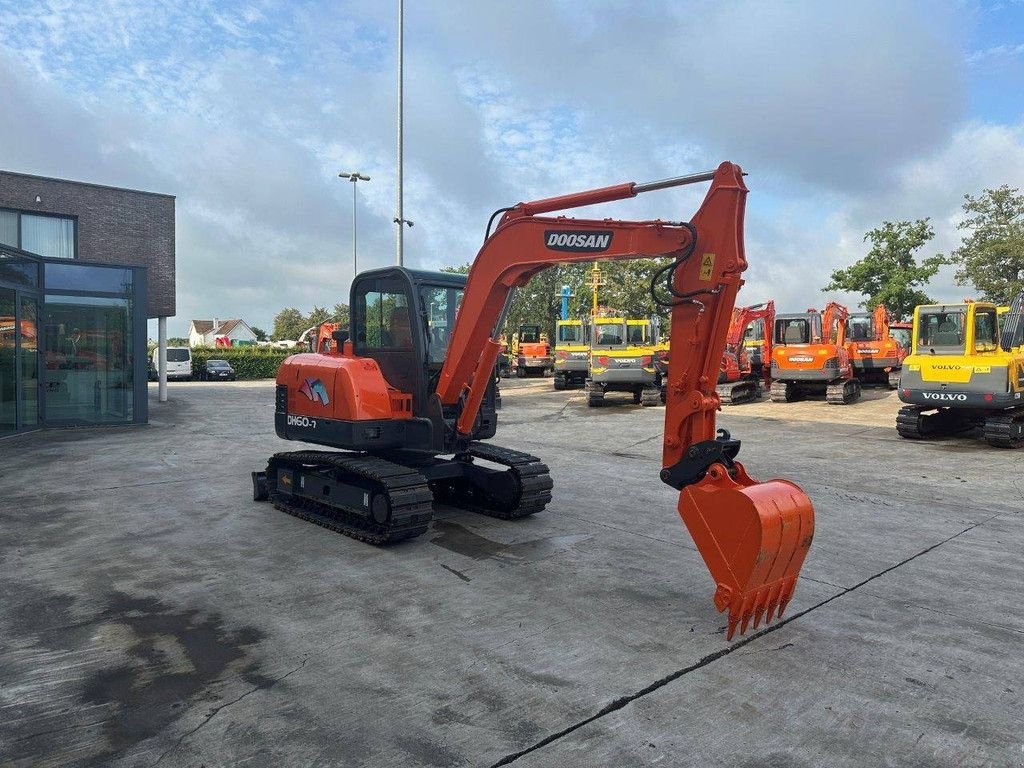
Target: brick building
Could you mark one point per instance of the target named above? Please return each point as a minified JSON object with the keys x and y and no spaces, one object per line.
{"x":82,"y":267}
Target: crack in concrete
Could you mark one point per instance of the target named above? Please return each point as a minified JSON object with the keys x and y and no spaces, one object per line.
{"x":623,"y":701}
{"x":216,"y":710}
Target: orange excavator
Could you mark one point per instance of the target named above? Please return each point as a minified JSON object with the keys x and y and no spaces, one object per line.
{"x":809,"y":357}
{"x":410,"y":410}
{"x":876,"y":355}
{"x":319,"y":337}
{"x":737,"y":381}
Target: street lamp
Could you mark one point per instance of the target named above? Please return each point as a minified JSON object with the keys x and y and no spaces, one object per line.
{"x":354,"y":176}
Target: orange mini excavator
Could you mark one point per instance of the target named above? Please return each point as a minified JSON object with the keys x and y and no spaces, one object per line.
{"x":809,"y":357}
{"x":409,"y":398}
{"x":875,"y":355}
{"x":737,"y":381}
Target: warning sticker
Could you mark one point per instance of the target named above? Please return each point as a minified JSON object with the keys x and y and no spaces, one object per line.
{"x":707,"y":266}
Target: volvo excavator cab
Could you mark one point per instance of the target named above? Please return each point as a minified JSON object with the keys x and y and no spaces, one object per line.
{"x":622,"y":360}
{"x":966,"y":370}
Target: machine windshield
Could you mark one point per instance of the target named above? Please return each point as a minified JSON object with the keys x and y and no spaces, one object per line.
{"x":529,"y":334}
{"x":941,"y":331}
{"x":901,"y":336}
{"x":382,"y":317}
{"x":570,"y":334}
{"x":860,"y":327}
{"x":441,"y":305}
{"x":793,"y":331}
{"x":609,"y":334}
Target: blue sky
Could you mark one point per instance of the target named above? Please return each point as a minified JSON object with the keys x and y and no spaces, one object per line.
{"x":844,"y":115}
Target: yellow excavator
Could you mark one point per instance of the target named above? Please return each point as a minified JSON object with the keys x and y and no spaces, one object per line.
{"x":622,"y":360}
{"x":572,"y":353}
{"x":965,"y":370}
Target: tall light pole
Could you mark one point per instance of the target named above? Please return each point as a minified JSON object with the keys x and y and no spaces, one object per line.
{"x":399,"y":218}
{"x":354,"y":177}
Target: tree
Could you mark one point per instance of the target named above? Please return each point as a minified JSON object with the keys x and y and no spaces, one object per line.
{"x":259,"y":333}
{"x":890,"y":274}
{"x":289,"y":324}
{"x":317,"y":316}
{"x":991,"y":255}
{"x":340,"y":314}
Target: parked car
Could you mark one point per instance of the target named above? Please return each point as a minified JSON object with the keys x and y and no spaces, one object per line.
{"x":179,"y":362}
{"x":217,"y":370}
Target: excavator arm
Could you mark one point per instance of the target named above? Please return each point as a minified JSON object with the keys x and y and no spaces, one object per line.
{"x":833,"y":323}
{"x":753,"y":536}
{"x":880,"y":319}
{"x":742,"y":318}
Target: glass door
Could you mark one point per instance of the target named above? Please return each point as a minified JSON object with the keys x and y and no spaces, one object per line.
{"x":28,"y":354}
{"x":8,"y":361}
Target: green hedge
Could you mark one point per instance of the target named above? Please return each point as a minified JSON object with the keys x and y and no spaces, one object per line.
{"x":248,"y":362}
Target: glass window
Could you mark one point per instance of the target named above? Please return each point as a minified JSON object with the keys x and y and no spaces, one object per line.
{"x":793,"y":331}
{"x":636,"y":334}
{"x":860,"y":328}
{"x":529,"y":334}
{"x":383,"y":319}
{"x":941,"y":331}
{"x":609,"y":334}
{"x":80,"y":277}
{"x":442,"y":305}
{"x":88,"y":357}
{"x":48,"y":236}
{"x":901,"y":336}
{"x":29,"y":363}
{"x":570,"y":334}
{"x":985,"y":330}
{"x":18,"y":270}
{"x":9,"y":228}
{"x":178,"y":355}
{"x":8,"y":362}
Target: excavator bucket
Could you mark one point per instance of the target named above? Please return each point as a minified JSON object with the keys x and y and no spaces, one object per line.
{"x":753,"y":537}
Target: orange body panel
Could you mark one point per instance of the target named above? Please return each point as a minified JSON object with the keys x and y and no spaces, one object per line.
{"x":355,"y":388}
{"x":535,"y":349}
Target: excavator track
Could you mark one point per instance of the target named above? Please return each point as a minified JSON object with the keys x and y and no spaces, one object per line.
{"x":398,"y":501}
{"x":738,"y":392}
{"x":843,"y":392}
{"x":913,"y":423}
{"x":521,"y":490}
{"x":650,"y":397}
{"x":783,"y":392}
{"x":1005,"y":430}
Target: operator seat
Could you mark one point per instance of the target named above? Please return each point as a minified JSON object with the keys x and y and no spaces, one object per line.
{"x":794,"y":333}
{"x":948,"y":335}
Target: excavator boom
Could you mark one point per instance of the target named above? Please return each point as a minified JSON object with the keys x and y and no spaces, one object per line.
{"x":753,"y":536}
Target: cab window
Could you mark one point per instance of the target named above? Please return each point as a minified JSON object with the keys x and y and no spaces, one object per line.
{"x":636,"y":334}
{"x":985,"y":330}
{"x":529,"y":334}
{"x":570,"y":334}
{"x":793,"y":331}
{"x":609,"y":334}
{"x":860,"y":328}
{"x":382,"y":318}
{"x":941,"y":332}
{"x":442,"y":306}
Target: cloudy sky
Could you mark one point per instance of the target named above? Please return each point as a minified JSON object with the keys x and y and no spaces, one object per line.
{"x":844,"y":115}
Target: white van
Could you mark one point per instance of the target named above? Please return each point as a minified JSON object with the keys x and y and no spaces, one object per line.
{"x":179,"y":362}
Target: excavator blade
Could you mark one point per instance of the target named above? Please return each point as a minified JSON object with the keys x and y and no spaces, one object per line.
{"x":753,"y":537}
